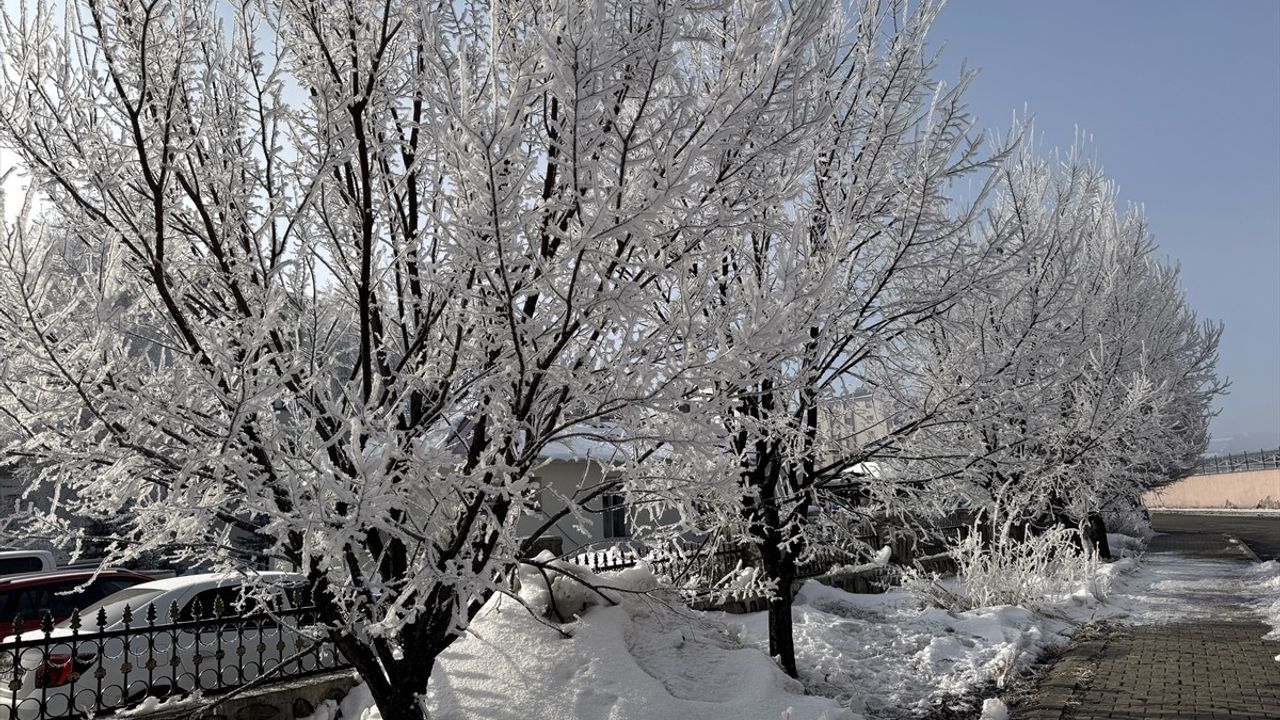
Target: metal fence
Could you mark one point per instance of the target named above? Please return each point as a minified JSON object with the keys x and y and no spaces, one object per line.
{"x":680,"y":567}
{"x":1238,"y":462}
{"x":692,"y":567}
{"x":90,"y":666}
{"x":74,"y":671}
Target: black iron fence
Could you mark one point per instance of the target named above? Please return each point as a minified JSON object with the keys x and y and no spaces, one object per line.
{"x":72,"y":670}
{"x":1238,"y":462}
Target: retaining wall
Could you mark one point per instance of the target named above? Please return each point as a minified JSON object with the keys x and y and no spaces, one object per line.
{"x":1252,"y":489}
{"x":283,"y":701}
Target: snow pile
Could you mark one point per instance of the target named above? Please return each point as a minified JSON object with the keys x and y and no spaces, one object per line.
{"x":357,"y":705}
{"x":622,"y":652}
{"x":639,"y":659}
{"x":883,"y":654}
{"x":880,"y":654}
{"x":878,"y":561}
{"x":994,"y":709}
{"x":151,"y":705}
{"x":1265,"y":578}
{"x":562,"y":591}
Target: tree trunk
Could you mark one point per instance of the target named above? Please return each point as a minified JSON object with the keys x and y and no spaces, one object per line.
{"x":1098,"y":535}
{"x":396,"y":684}
{"x":399,"y":704}
{"x":782,"y":643}
{"x":397,"y":687}
{"x":780,"y":567}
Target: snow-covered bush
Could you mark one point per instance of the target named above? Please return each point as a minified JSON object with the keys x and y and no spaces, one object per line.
{"x":1134,"y":521}
{"x":1026,"y":572}
{"x":1125,"y":546}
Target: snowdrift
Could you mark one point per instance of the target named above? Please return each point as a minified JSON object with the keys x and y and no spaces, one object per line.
{"x":645,"y":658}
{"x":650,"y":658}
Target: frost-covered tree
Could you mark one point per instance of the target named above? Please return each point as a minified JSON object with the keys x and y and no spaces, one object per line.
{"x":344,"y":268}
{"x":1089,"y":377}
{"x":818,"y":294}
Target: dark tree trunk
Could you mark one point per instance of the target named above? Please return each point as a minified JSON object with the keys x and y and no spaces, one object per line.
{"x":396,"y":684}
{"x":400,"y":703}
{"x":782,"y":645}
{"x":394,"y":688}
{"x":778,"y":561}
{"x":1019,"y":530}
{"x":1098,"y":535}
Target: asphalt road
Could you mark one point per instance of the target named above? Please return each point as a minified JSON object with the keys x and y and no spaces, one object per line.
{"x":1261,"y":532}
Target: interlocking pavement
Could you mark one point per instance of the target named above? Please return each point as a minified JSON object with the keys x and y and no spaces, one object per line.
{"x":1212,"y":666}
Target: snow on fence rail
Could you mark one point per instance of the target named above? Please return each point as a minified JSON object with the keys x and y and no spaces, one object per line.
{"x":694,"y":568}
{"x":692,"y":565}
{"x":70,"y":671}
{"x":677,"y":568}
{"x":1238,"y":462}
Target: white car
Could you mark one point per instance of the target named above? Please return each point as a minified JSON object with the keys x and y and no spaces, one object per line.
{"x":222,"y":637}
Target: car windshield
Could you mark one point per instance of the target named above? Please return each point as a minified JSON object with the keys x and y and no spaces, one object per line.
{"x":134,"y":598}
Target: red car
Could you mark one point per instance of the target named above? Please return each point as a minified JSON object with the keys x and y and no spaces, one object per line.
{"x":31,"y":595}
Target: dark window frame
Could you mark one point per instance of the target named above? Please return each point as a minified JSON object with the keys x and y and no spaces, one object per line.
{"x":21,"y":565}
{"x":614,"y":513}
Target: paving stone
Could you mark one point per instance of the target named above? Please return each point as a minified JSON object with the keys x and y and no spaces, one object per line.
{"x":1205,"y":669}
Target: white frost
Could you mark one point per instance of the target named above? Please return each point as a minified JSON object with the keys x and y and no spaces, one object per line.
{"x":994,"y":709}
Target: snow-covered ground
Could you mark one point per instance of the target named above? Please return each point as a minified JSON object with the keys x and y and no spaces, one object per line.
{"x":858,"y":655}
{"x":643,"y":659}
{"x":1172,"y":588}
{"x":1265,"y":586}
{"x":646,"y":659}
{"x":885,"y":655}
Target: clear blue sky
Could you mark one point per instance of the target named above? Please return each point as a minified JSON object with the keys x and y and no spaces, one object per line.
{"x":1182,"y":101}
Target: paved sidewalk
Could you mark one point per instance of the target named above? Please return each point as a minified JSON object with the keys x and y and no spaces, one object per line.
{"x":1211,"y":666}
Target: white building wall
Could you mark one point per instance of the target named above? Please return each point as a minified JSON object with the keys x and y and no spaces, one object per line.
{"x":561,"y":479}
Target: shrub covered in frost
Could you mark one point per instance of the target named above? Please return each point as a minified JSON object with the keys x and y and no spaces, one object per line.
{"x":1027,"y":572}
{"x":1134,"y":521}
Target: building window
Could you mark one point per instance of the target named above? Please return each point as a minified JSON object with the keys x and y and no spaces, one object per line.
{"x":615,"y":517}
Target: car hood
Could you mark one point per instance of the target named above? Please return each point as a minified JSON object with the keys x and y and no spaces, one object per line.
{"x":32,"y":635}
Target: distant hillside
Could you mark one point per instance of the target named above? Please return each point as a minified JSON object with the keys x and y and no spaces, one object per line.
{"x":1244,"y":442}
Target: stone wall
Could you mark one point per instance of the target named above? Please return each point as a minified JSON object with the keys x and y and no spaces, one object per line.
{"x":284,"y":701}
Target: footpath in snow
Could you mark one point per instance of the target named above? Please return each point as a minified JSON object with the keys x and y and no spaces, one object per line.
{"x":1199,"y":637}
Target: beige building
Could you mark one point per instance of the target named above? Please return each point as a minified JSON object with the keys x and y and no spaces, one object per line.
{"x":867,"y":417}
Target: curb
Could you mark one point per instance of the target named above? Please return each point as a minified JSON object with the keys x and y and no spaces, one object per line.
{"x":1244,"y":547}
